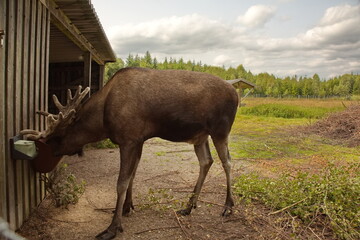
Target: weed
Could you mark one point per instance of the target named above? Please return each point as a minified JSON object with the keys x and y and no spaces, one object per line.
{"x":107,"y":143}
{"x":332,"y":194}
{"x":63,"y":187}
{"x":161,"y":200}
{"x":161,"y":153}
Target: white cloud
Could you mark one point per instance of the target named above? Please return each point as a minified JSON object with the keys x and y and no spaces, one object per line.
{"x":190,"y":33}
{"x":257,"y":16}
{"x":330,"y":47}
{"x":339,"y":26}
{"x":338,"y":14}
{"x":222,"y":59}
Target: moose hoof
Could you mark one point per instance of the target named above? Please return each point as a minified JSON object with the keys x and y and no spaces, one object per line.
{"x":184,"y":212}
{"x":107,"y":234}
{"x":127,"y":210}
{"x":227,"y":212}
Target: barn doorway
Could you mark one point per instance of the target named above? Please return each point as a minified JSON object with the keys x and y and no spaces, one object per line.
{"x":69,"y":67}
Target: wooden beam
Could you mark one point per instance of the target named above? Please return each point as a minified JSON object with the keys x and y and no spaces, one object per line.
{"x":87,"y":70}
{"x":60,"y":20}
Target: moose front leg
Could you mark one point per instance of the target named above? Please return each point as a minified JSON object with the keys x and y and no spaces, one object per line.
{"x":129,"y":159}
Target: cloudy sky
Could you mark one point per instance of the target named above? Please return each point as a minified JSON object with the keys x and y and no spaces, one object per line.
{"x":282,"y":37}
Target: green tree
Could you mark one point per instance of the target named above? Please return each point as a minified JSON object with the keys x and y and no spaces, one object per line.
{"x":130,"y":60}
{"x":266,"y":84}
{"x":112,"y":68}
{"x":146,"y":61}
{"x":356,"y":86}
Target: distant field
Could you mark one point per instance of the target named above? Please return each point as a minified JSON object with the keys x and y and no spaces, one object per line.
{"x":292,"y":108}
{"x":303,"y":102}
{"x":258,"y":134}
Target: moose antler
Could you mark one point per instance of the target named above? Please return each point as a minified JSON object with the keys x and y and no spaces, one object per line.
{"x":57,"y":122}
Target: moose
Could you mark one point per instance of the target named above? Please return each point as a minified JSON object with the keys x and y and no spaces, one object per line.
{"x":138,"y":104}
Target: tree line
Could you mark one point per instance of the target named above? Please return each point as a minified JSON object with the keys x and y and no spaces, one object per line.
{"x":267,"y":85}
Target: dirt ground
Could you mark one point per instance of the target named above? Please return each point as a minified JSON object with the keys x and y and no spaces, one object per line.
{"x":165,"y":178}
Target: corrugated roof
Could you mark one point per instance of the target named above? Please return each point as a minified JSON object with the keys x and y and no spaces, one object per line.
{"x":83,"y":15}
{"x":242,"y":83}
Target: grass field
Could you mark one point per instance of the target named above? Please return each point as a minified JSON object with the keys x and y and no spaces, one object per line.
{"x":303,"y":102}
{"x":284,"y":166}
{"x":258,"y":135}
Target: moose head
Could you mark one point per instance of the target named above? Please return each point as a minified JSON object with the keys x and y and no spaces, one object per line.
{"x":58,"y":132}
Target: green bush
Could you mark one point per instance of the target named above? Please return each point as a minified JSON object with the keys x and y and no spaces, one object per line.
{"x":63,"y":187}
{"x":333,"y":194}
{"x":107,"y":143}
{"x":286,"y":111}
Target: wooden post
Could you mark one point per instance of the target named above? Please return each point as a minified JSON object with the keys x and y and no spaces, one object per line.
{"x":239,"y":91}
{"x":101,"y":76}
{"x":87,"y":70}
{"x":2,"y":106}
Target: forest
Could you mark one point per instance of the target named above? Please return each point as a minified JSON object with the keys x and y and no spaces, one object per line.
{"x":267,"y":85}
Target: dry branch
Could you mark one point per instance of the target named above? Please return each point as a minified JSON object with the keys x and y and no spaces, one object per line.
{"x":156,"y":229}
{"x":181,"y":226}
{"x":287,"y":207}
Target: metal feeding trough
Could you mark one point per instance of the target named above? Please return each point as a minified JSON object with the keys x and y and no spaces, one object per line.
{"x":22,"y":149}
{"x":40,"y":153}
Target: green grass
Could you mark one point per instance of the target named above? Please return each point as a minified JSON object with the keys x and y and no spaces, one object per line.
{"x":274,"y":138}
{"x":281,"y":147}
{"x":287,"y":111}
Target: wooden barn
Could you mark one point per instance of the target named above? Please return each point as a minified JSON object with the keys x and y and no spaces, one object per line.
{"x":241,"y":84}
{"x":46,"y":47}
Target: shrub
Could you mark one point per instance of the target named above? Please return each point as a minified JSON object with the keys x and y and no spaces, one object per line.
{"x":333,"y":194}
{"x":63,"y":187}
{"x":107,"y":143}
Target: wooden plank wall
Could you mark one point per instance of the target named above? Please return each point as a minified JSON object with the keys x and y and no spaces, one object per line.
{"x":2,"y":113}
{"x":24,"y":70}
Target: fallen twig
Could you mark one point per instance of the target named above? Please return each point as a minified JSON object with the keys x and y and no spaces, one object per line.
{"x":183,"y":150}
{"x":285,"y":208}
{"x":105,"y":209}
{"x":162,"y":175}
{"x":181,"y":226}
{"x":155,"y":229}
{"x":208,"y":202}
{"x":314,"y":233}
{"x":67,"y":221}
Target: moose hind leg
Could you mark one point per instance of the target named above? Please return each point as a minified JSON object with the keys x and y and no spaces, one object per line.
{"x":221,"y":146}
{"x":205,"y":160}
{"x":129,"y":159}
{"x":128,"y":204}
